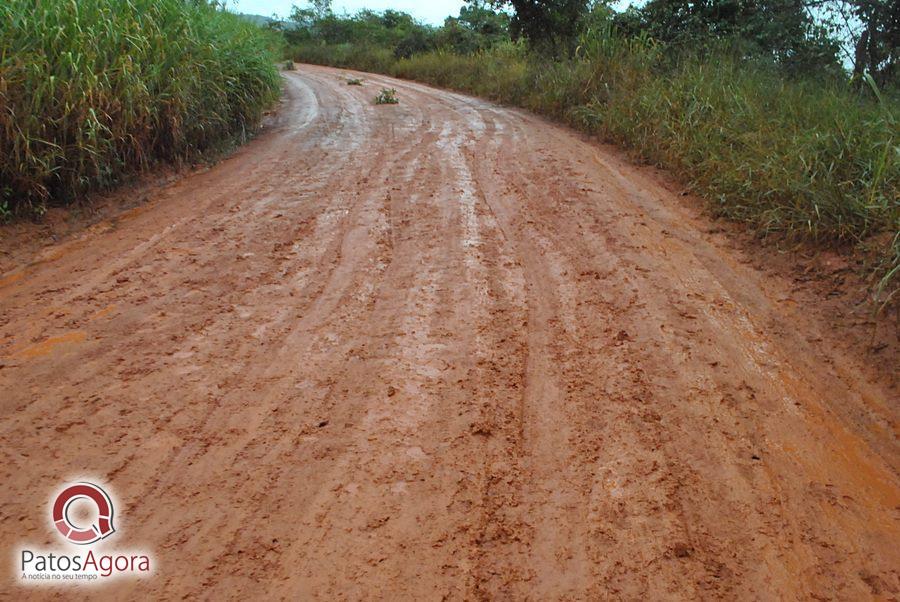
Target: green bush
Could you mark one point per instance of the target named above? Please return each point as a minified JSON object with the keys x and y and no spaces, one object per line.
{"x":375,"y":59}
{"x":95,"y":89}
{"x":387,"y":96}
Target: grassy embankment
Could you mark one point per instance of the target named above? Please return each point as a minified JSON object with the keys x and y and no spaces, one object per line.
{"x":94,"y":90}
{"x":814,"y":161}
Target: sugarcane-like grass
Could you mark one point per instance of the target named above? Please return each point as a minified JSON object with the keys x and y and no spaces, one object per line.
{"x":93,"y":90}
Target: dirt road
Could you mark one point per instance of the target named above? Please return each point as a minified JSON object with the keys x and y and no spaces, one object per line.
{"x":441,"y":350}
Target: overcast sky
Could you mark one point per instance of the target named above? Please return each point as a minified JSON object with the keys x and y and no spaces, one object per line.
{"x":430,"y":11}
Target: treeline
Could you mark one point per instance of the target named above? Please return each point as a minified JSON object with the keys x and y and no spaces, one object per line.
{"x":802,"y":36}
{"x":93,"y":90}
{"x":782,"y":113}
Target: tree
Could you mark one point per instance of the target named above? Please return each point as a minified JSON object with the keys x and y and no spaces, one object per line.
{"x":869,"y":33}
{"x":786,"y":30}
{"x":477,"y":27}
{"x":547,"y":25}
{"x":479,"y":18}
{"x":306,"y":19}
{"x":321,"y":8}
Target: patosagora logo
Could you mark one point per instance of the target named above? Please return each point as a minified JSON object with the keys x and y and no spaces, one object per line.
{"x":82,"y":514}
{"x":83,"y":535}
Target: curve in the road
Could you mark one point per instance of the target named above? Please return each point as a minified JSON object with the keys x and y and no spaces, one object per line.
{"x":442,"y":349}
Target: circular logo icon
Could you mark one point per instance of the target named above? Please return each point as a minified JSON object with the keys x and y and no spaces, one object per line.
{"x":91,"y":533}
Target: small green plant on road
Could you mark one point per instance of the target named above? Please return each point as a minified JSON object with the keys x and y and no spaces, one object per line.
{"x":387,"y":96}
{"x":354,"y":81}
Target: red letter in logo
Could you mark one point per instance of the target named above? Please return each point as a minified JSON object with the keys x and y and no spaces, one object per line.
{"x":70,"y":531}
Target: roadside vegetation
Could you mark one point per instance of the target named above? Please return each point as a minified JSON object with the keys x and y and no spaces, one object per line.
{"x":782,"y":114}
{"x":94,"y":90}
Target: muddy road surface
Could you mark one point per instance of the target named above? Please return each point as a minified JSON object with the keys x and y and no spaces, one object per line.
{"x":440,"y":350}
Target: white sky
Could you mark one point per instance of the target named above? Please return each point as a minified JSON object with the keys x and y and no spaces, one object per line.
{"x":429,"y":11}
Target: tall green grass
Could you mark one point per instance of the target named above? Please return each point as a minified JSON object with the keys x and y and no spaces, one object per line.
{"x":814,"y":160}
{"x":91,"y":90}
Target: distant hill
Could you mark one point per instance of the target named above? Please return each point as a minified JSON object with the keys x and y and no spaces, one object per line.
{"x":264,"y":21}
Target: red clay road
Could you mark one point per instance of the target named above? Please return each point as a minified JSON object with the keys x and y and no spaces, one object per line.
{"x":440,"y":350}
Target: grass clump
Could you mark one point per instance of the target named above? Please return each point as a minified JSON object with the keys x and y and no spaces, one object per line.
{"x":354,"y":81}
{"x":95,"y":89}
{"x":387,"y":96}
